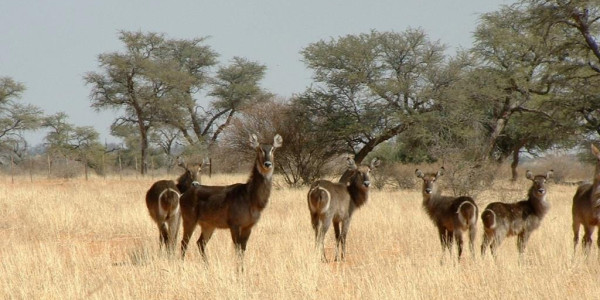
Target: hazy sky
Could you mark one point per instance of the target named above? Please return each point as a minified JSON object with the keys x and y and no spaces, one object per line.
{"x":50,"y":45}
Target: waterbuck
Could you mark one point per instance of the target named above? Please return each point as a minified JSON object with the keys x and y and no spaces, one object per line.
{"x":335,"y":203}
{"x":236,"y":207}
{"x":501,"y":220}
{"x":162,"y":200}
{"x":451,"y":215}
{"x":586,"y":208}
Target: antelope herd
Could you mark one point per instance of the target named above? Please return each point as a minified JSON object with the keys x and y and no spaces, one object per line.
{"x":238,"y":207}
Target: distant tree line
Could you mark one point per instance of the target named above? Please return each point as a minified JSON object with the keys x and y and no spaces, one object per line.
{"x":530,"y":82}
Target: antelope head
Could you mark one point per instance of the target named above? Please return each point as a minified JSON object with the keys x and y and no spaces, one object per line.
{"x":538,"y":187}
{"x":429,"y":180}
{"x":360,"y":175}
{"x":264,"y":154}
{"x":192,"y":171}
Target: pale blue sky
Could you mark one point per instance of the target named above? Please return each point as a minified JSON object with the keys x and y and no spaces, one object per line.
{"x":50,"y":45}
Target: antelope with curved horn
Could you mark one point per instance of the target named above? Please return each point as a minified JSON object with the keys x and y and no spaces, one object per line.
{"x":236,"y":207}
{"x":451,"y":215}
{"x":501,"y":220}
{"x":162,"y":200}
{"x":335,"y":203}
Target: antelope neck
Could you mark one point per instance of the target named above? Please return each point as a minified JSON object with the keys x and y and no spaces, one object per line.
{"x":259,"y":187}
{"x":596,"y":192}
{"x":539,"y":204}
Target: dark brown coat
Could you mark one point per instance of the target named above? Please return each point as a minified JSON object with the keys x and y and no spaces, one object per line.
{"x":501,"y":220}
{"x":236,"y":207}
{"x":335,"y":203}
{"x":586,"y":208}
{"x":451,"y":215}
{"x":162,"y":201}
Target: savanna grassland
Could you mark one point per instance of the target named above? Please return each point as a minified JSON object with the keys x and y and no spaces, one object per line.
{"x":75,"y":239}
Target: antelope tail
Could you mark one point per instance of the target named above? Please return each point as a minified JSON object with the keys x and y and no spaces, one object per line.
{"x":319,"y":199}
{"x":164,"y":201}
{"x":467,"y":213}
{"x":489,"y":218}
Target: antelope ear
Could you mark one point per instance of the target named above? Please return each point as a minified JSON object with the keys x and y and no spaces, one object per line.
{"x":277,"y":141}
{"x":595,"y":151}
{"x":180,"y":162}
{"x":419,"y":173}
{"x":254,"y":141}
{"x":549,"y":174}
{"x":529,"y":175}
{"x":351,"y":163}
{"x":440,"y":172}
{"x":375,"y":163}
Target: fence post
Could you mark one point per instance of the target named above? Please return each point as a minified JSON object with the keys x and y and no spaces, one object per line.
{"x":152,"y":167}
{"x":104,"y":170}
{"x":31,"y":169}
{"x":49,"y":167}
{"x":12,"y":175}
{"x":120,"y":167}
{"x":85,"y":166}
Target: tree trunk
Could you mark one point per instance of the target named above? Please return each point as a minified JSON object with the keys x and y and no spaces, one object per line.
{"x":372,"y":143}
{"x":515,"y":160}
{"x":144,"y":149}
{"x":221,"y":127}
{"x":514,"y":165}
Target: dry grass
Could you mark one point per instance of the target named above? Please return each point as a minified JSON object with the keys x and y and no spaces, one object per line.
{"x":94,"y":239}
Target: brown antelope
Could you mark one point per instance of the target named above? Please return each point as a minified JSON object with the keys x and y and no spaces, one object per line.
{"x":335,"y":203}
{"x":162,"y":200}
{"x":451,"y":215}
{"x":236,"y":207}
{"x":586,"y":208}
{"x":501,"y":220}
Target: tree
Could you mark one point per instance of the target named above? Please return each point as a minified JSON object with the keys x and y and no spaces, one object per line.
{"x":15,"y":117}
{"x":304,"y":155}
{"x":155,"y":84}
{"x":575,"y":28}
{"x":372,"y":87}
{"x":130,"y":84}
{"x":515,"y":73}
{"x":188,"y":73}
{"x":235,"y":88}
{"x":79,"y":143}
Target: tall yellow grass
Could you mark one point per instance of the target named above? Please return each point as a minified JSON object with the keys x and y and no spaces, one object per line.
{"x":93,"y":239}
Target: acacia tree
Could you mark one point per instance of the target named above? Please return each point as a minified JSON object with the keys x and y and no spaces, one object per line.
{"x":15,"y":117}
{"x":233,"y":88}
{"x":371,"y":87}
{"x":186,"y":69}
{"x":304,"y":155}
{"x":156,"y":81}
{"x":513,"y":84}
{"x":575,"y":28}
{"x":79,"y":143}
{"x":513,"y":59}
{"x":129,"y":84}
